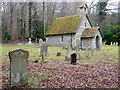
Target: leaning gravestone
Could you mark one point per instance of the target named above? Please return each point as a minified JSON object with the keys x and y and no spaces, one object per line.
{"x":18,"y":67}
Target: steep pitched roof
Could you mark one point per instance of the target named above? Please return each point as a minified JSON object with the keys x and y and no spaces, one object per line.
{"x":89,"y":32}
{"x":64,"y":25}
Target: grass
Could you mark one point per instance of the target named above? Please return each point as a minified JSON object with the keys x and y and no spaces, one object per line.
{"x":110,"y":49}
{"x":110,"y":52}
{"x":33,"y":50}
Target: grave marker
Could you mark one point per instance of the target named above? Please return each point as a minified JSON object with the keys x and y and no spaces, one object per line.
{"x":73,"y":59}
{"x":40,"y":41}
{"x":116,"y":43}
{"x":111,"y":43}
{"x":18,"y":67}
{"x":58,"y":53}
{"x":30,"y":41}
{"x":44,"y":49}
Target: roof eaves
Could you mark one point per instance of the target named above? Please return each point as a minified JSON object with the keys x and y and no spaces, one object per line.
{"x":101,"y":32}
{"x":86,"y":37}
{"x":60,"y":34}
{"x":89,"y":20}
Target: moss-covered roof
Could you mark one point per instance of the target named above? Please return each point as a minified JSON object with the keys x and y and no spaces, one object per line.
{"x":64,"y":25}
{"x":89,"y":32}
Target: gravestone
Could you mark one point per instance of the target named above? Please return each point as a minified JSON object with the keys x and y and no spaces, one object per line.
{"x":40,"y":41}
{"x":111,"y":43}
{"x":30,"y":41}
{"x":73,"y":59}
{"x":18,"y":67}
{"x":58,"y":53}
{"x":116,"y":43}
{"x":44,"y":49}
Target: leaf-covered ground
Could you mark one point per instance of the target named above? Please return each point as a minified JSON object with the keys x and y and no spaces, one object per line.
{"x":99,"y":71}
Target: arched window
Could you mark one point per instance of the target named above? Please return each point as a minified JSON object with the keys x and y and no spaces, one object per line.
{"x":97,"y":42}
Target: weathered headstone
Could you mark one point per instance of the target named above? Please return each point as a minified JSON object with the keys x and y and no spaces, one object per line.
{"x":18,"y":67}
{"x":77,"y":48}
{"x":30,"y":41}
{"x":44,"y":49}
{"x":73,"y":59}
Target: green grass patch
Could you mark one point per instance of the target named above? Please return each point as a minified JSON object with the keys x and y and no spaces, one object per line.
{"x":110,"y":48}
{"x":108,"y":52}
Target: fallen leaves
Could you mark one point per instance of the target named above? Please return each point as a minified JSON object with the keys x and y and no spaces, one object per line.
{"x":62,"y":75}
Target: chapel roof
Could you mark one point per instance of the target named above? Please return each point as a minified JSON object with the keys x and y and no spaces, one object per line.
{"x":64,"y":25}
{"x":89,"y":32}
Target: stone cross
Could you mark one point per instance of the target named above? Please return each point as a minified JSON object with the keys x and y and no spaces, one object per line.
{"x":18,"y":67}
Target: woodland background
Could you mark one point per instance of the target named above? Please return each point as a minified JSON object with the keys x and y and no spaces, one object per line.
{"x":21,"y":20}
